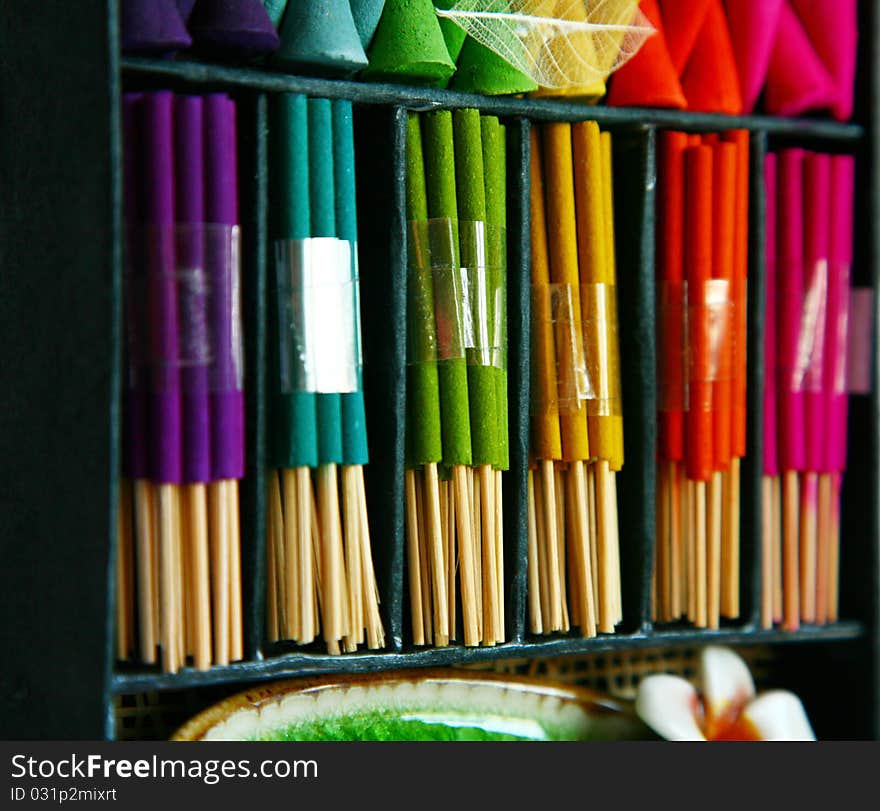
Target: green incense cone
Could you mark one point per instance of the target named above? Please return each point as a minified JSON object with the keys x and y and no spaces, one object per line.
{"x":453,"y":34}
{"x":354,"y":420}
{"x":440,"y":187}
{"x":480,"y":70}
{"x":494,"y":169}
{"x":408,"y":45}
{"x":470,"y":185}
{"x":322,"y":200}
{"x":321,"y":35}
{"x":423,"y":384}
{"x":296,"y":438}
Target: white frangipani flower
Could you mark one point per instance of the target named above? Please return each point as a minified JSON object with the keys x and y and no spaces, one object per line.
{"x":726,"y":709}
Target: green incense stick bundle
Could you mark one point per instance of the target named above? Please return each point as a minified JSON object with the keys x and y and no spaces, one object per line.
{"x":439,"y":153}
{"x":495,"y":174}
{"x":440,"y":182}
{"x":471,"y":195}
{"x":423,"y":384}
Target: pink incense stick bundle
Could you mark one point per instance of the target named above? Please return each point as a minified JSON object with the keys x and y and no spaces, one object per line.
{"x":790,"y":297}
{"x":771,"y":459}
{"x":817,"y":183}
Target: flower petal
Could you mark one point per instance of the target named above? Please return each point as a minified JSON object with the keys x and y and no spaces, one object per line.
{"x":727,"y":684}
{"x":668,"y":704}
{"x":779,"y":716}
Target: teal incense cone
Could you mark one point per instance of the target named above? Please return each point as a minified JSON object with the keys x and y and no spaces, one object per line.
{"x":320,"y":36}
{"x":495,"y":172}
{"x":275,"y":10}
{"x":479,"y":70}
{"x":294,"y":412}
{"x":437,"y":142}
{"x":354,"y":420}
{"x":471,"y":195}
{"x":408,"y":45}
{"x":367,"y":14}
{"x":322,"y":204}
{"x":423,"y":383}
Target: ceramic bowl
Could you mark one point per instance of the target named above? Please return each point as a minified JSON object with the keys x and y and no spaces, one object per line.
{"x":415,"y":705}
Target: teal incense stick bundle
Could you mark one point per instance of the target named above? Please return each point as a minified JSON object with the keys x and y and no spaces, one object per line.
{"x":295,"y":445}
{"x":329,"y":405}
{"x":321,"y":575}
{"x":360,"y":577}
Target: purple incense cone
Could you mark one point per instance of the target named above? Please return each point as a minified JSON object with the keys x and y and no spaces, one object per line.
{"x":135,"y":455}
{"x":165,"y":404}
{"x":221,"y":209}
{"x":193,"y":289}
{"x":152,"y":27}
{"x":185,"y":8}
{"x":238,"y":26}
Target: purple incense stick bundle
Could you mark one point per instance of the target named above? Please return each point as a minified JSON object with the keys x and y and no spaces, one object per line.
{"x":193,"y":289}
{"x":221,"y":209}
{"x":158,"y":208}
{"x":135,"y":457}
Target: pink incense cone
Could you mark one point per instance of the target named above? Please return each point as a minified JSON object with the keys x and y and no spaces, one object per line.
{"x":817,"y":185}
{"x":682,"y":22}
{"x":752,"y":32}
{"x":789,"y":307}
{"x":771,"y":459}
{"x":710,"y":80}
{"x":648,"y":79}
{"x":797,"y":81}
{"x":832,"y":26}
{"x":840,"y":262}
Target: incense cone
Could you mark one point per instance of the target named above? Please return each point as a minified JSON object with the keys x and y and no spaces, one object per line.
{"x":320,"y":34}
{"x":649,"y":78}
{"x":832,"y":26}
{"x":481,"y":70}
{"x":797,"y":81}
{"x":409,"y":45}
{"x":710,"y":81}
{"x":683,"y":22}
{"x":240,"y":26}
{"x":752,"y":33}
{"x":152,"y":27}
{"x":367,"y":14}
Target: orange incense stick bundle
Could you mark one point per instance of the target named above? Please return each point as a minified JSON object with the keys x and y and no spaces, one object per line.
{"x":699,"y":448}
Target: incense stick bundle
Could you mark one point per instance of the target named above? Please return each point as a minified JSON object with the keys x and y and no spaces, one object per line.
{"x":702,"y":270}
{"x":184,"y":429}
{"x":457,"y":410}
{"x":318,"y":535}
{"x":577,"y":439}
{"x":813,"y":206}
